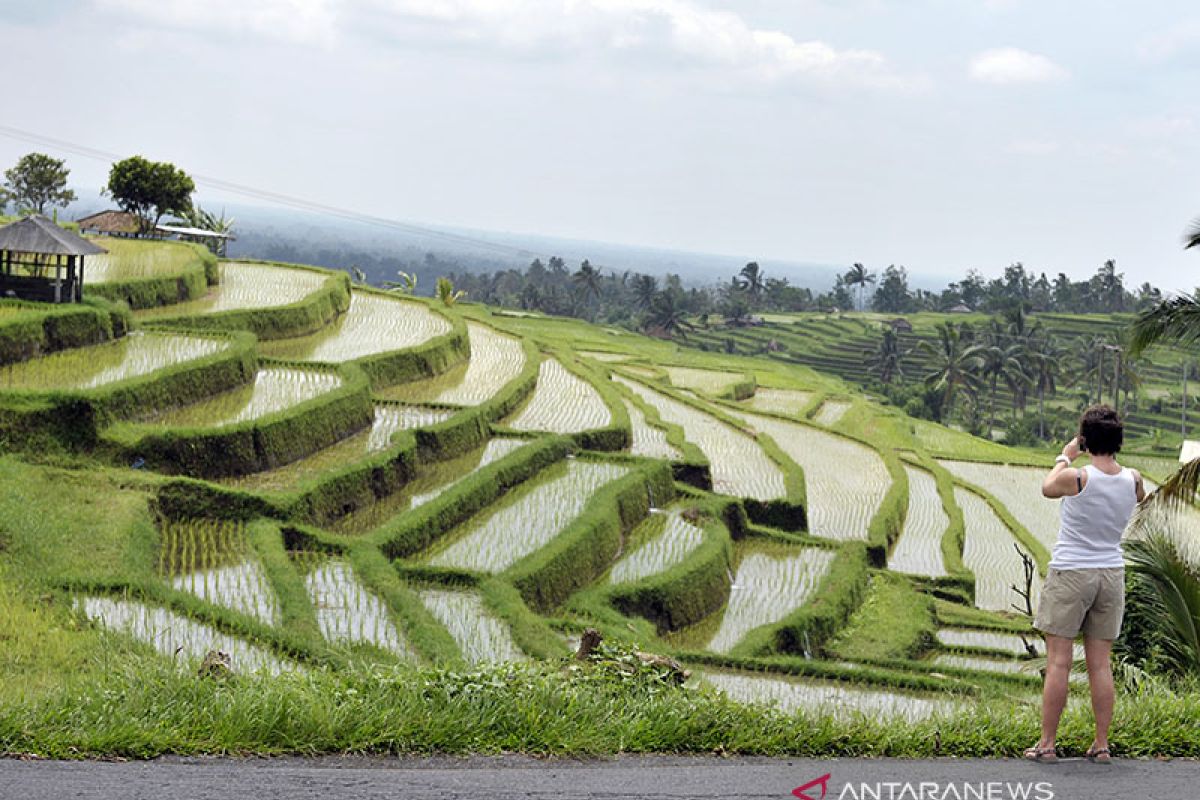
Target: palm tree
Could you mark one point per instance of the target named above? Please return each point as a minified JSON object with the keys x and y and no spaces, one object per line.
{"x":1045,"y":369}
{"x":752,"y":281}
{"x":1192,"y":237}
{"x":644,"y":289}
{"x":955,"y":363}
{"x":587,"y":278}
{"x":885,"y":359}
{"x":997,"y":361}
{"x":1173,"y":583}
{"x":860,"y":277}
{"x":1177,"y":320}
{"x":667,"y":316}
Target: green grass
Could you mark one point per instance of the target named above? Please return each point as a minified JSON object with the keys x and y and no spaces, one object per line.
{"x":373,"y":565}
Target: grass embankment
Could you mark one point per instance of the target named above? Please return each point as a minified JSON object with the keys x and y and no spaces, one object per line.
{"x":134,"y":706}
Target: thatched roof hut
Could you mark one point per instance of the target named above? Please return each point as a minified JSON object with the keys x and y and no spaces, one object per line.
{"x":34,"y":247}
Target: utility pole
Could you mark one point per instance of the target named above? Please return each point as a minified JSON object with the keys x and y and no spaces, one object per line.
{"x":1100,"y":375}
{"x":1117,"y":380}
{"x":1183,"y":412}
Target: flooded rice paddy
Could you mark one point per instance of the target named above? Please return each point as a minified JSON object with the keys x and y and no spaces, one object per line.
{"x":496,"y":359}
{"x":274,"y":389}
{"x":649,"y":441}
{"x":479,"y":634}
{"x":213,"y":560}
{"x":790,"y":402}
{"x":347,"y":611}
{"x":561,"y":403}
{"x":97,"y":365}
{"x":919,"y":549}
{"x":245,"y":285}
{"x":818,"y":697}
{"x":660,"y":542}
{"x":373,"y":324}
{"x":1020,"y":490}
{"x":527,"y":519}
{"x":988,"y":552}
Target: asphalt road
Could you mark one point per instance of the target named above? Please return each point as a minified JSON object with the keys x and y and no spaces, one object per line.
{"x":657,"y":778}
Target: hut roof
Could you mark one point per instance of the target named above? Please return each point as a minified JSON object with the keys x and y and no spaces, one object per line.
{"x":36,"y":234}
{"x":111,"y":222}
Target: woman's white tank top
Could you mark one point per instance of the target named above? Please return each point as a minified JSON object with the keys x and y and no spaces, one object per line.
{"x":1094,"y":520}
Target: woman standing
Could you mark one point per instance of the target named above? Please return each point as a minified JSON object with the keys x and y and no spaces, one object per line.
{"x":1085,"y":586}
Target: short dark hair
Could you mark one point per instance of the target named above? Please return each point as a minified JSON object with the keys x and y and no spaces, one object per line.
{"x":1101,"y":430}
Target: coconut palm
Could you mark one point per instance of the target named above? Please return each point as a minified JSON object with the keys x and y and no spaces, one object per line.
{"x":998,"y":361}
{"x":1045,"y":369}
{"x":752,"y":281}
{"x":587,"y":279}
{"x":1175,"y":585}
{"x":860,"y":277}
{"x":1174,"y":320}
{"x":644,"y":289}
{"x":884,"y":360}
{"x":1191,"y":238}
{"x":667,"y":316}
{"x":406,"y":285}
{"x":955,"y":363}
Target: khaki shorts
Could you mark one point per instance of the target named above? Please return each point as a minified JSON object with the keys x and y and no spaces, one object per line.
{"x":1088,"y":600}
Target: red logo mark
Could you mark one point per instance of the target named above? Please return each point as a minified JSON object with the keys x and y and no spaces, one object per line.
{"x":800,"y":791}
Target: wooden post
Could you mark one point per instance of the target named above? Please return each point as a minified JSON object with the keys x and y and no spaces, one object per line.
{"x":79,"y":283}
{"x":58,"y":279}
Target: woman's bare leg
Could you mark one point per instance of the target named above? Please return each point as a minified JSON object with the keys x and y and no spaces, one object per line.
{"x":1099,"y":665}
{"x":1054,"y":691}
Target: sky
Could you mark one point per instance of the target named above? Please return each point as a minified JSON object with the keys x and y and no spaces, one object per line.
{"x":938,"y":134}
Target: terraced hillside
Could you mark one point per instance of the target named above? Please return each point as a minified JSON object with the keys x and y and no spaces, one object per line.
{"x":839,"y":344}
{"x":306,"y":475}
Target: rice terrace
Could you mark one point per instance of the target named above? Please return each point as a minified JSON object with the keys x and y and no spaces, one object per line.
{"x":397,"y":519}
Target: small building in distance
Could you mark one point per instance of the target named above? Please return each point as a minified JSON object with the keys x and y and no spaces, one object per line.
{"x":111,"y":223}
{"x":901,"y":325}
{"x":213,"y":240}
{"x":961,"y":308}
{"x":41,"y":261}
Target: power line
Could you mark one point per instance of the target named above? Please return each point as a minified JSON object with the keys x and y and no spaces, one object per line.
{"x":277,"y":198}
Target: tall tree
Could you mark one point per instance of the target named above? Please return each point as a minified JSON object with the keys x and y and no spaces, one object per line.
{"x":1045,"y":370}
{"x":893,"y":296}
{"x":859,"y":276}
{"x":150,"y":189}
{"x":587,"y":279}
{"x":885,"y":360}
{"x":644,"y":289}
{"x":667,"y":316}
{"x":954,"y":363}
{"x":38,"y":181}
{"x":752,"y":281}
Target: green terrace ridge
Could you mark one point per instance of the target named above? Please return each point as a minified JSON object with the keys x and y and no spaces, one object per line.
{"x":421,"y":506}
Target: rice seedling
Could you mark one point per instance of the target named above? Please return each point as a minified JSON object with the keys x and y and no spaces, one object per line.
{"x":991,"y":640}
{"x":245,"y":285}
{"x":177,"y":637}
{"x":846,"y":481}
{"x":212,"y":559}
{"x":1005,"y":666}
{"x":666,"y":540}
{"x":430,"y":480}
{"x":527,"y":519}
{"x":127,"y":259}
{"x":705,"y":381}
{"x":479,"y":635}
{"x":988,"y":552}
{"x":1020,"y":490}
{"x":274,"y":389}
{"x":649,"y":441}
{"x":818,"y":697}
{"x":347,"y":611}
{"x":561,"y":403}
{"x":388,"y":420}
{"x":779,"y":401}
{"x":830,"y":412}
{"x":768,"y":586}
{"x":739,"y":466}
{"x":496,"y":359}
{"x":919,"y":550}
{"x":97,"y":365}
{"x":607,"y":358}
{"x":373,"y":324}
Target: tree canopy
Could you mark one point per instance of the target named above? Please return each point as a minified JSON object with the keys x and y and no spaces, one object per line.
{"x":150,"y":189}
{"x":37,"y":181}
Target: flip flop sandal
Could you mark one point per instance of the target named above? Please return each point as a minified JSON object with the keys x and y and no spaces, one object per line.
{"x":1043,"y":755}
{"x":1099,"y":756}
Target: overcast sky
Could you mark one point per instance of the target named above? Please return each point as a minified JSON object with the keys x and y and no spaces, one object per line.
{"x":940,"y":134}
